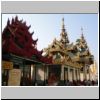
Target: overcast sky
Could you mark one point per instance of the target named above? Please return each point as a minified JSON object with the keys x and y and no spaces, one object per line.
{"x":46,"y":27}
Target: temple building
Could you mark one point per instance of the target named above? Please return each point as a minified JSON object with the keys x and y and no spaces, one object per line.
{"x":19,"y":52}
{"x":73,"y":58}
{"x":24,"y":65}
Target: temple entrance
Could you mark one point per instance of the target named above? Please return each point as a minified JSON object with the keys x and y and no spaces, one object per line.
{"x":54,"y":74}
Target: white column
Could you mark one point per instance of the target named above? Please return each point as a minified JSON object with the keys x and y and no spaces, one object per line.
{"x":33,"y":72}
{"x":68,"y":73}
{"x":62,"y":72}
{"x":78,"y":74}
{"x":71,"y":75}
{"x":74,"y":74}
{"x":89,"y":74}
{"x":85,"y":72}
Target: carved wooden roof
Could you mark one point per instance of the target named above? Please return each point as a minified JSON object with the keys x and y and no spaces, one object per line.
{"x":17,"y":39}
{"x":78,"y":53}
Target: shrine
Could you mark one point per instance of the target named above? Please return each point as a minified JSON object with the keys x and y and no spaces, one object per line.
{"x":74,"y":58}
{"x":24,"y":65}
{"x":19,"y":51}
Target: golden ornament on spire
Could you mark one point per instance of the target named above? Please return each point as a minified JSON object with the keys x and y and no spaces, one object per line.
{"x":82,"y":36}
{"x":82,"y":30}
{"x":63,"y":25}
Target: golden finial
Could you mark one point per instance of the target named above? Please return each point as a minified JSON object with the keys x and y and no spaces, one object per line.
{"x":82,"y":36}
{"x":82,"y":30}
{"x":63,"y":26}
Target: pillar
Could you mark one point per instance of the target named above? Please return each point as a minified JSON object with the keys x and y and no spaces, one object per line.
{"x":89,"y":74}
{"x":32,"y":74}
{"x":68,"y":73}
{"x":74,"y":74}
{"x":85,"y":72}
{"x":62,"y":72}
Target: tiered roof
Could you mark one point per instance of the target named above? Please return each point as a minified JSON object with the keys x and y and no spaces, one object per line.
{"x":68,"y":53}
{"x":17,"y":39}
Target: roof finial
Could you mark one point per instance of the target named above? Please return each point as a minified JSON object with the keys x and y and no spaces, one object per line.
{"x":82,"y":30}
{"x":82,"y":36}
{"x":63,"y":34}
{"x":63,"y":26}
{"x":8,"y":22}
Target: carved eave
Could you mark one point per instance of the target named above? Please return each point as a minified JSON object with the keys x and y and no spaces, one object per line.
{"x":83,"y":59}
{"x":68,"y":63}
{"x":75,"y":55}
{"x":85,"y":53}
{"x":70,"y":47}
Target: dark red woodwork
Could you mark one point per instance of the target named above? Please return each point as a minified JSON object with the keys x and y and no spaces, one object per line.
{"x":17,"y":39}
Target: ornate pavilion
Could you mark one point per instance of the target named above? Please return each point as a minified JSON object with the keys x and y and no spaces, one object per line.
{"x":74,"y":58}
{"x":19,"y":51}
{"x":63,"y":61}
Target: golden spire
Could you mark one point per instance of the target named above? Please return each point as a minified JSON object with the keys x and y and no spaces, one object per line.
{"x":82,"y":36}
{"x":82,"y":30}
{"x":63,"y":34}
{"x":63,"y":26}
{"x":83,"y":40}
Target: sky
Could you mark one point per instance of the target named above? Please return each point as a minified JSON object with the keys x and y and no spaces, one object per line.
{"x":46,"y":27}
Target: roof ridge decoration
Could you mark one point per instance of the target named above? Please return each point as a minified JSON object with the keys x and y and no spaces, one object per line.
{"x":64,"y":36}
{"x":78,"y":53}
{"x":17,"y":39}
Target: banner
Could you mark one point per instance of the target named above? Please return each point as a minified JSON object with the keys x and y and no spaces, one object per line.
{"x":7,"y":65}
{"x":14,"y":77}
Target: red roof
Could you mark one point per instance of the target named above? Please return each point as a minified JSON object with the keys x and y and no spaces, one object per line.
{"x":18,"y":40}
